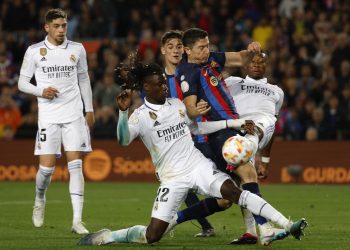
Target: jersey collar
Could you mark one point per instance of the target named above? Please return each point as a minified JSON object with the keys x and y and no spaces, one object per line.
{"x":262,"y":80}
{"x":51,"y":46}
{"x":156,"y":107}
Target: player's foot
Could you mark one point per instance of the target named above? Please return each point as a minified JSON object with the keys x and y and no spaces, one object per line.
{"x":38,"y":213}
{"x":246,"y":238}
{"x":97,"y":239}
{"x":79,"y":228}
{"x":272,"y":234}
{"x":206,"y":233}
{"x":297,"y":228}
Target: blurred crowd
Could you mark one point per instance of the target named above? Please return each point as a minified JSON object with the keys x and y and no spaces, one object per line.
{"x":307,"y":43}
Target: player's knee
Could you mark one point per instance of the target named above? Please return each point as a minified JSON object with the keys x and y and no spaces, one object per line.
{"x":230,"y":191}
{"x":153,"y":236}
{"x":247,"y":173}
{"x":224,"y":204}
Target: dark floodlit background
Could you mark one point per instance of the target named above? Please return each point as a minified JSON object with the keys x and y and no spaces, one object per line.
{"x":307,"y":42}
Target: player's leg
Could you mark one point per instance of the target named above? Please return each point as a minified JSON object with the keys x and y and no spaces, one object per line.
{"x":135,"y":234}
{"x":168,"y":200}
{"x":76,"y":190}
{"x":191,"y":199}
{"x":247,"y":174}
{"x":205,"y":174}
{"x":47,"y":146}
{"x":76,"y":139}
{"x":207,"y":228}
{"x":259,"y":206}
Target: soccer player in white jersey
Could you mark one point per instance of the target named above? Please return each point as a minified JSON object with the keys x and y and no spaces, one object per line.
{"x":162,"y":124}
{"x":256,"y":100}
{"x":62,"y":82}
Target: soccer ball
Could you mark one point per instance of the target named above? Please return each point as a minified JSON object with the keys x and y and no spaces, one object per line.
{"x":237,"y":150}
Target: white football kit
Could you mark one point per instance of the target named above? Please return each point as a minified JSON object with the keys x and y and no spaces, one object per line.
{"x":61,"y":119}
{"x":179,"y":165}
{"x":257,"y":100}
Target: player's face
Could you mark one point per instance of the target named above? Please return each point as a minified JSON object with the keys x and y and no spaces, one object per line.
{"x":56,"y":30}
{"x":199,"y":53}
{"x":156,"y":89}
{"x":172,"y":51}
{"x":257,"y":67}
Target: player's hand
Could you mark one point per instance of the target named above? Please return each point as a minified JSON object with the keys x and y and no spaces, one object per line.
{"x":124,"y":99}
{"x":249,"y":127}
{"x":254,"y":47}
{"x":50,"y":93}
{"x":263,"y":170}
{"x":202,"y":107}
{"x":90,"y":119}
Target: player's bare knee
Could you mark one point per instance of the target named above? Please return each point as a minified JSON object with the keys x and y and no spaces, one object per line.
{"x":47,"y":160}
{"x":230,"y":191}
{"x":247,"y":173}
{"x":224,"y":204}
{"x":153,"y":236}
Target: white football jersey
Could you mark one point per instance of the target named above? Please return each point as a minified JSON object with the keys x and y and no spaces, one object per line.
{"x":165,"y":132}
{"x":255,"y":98}
{"x":58,"y":67}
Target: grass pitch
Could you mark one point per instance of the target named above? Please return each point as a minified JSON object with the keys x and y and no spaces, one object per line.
{"x":120,"y":205}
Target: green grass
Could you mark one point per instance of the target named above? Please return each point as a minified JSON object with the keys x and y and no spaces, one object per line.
{"x":120,"y":205}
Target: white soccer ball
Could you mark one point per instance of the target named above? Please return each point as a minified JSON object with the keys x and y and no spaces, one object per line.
{"x":237,"y":150}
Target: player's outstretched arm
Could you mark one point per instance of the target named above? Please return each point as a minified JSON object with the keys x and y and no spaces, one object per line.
{"x":213,"y":126}
{"x":238,"y":59}
{"x":124,"y":102}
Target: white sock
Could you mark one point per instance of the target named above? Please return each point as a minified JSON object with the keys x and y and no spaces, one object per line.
{"x":259,"y":206}
{"x":43,"y":179}
{"x":135,"y":234}
{"x":249,"y":221}
{"x":76,"y":188}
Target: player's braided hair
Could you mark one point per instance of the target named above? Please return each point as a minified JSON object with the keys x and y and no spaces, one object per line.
{"x":133,"y":73}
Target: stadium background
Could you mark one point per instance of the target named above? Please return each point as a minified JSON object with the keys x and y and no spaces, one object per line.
{"x":309,"y":58}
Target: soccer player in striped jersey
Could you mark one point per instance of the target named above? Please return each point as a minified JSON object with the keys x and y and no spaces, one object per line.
{"x":200,"y":78}
{"x":172,"y":50}
{"x":163,"y":126}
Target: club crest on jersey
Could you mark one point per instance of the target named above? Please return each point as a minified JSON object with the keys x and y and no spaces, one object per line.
{"x":182,"y":113}
{"x":43,"y":51}
{"x":153,"y":115}
{"x":72,"y":58}
{"x":213,"y":64}
{"x":214,"y":81}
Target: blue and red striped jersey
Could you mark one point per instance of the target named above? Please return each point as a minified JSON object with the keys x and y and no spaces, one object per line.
{"x":175,"y":92}
{"x":206,"y":82}
{"x":174,"y":87}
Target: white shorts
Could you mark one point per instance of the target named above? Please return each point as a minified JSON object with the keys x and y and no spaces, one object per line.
{"x":74,"y":136}
{"x":267,"y":125}
{"x":204,"y":179}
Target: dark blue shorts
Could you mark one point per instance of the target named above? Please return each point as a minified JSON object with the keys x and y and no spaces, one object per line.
{"x":216,"y":141}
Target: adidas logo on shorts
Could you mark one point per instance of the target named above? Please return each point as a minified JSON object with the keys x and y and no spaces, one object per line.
{"x":83,"y":145}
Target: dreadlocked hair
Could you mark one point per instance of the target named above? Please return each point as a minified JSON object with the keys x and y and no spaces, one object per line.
{"x":133,"y":73}
{"x":128,"y":74}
